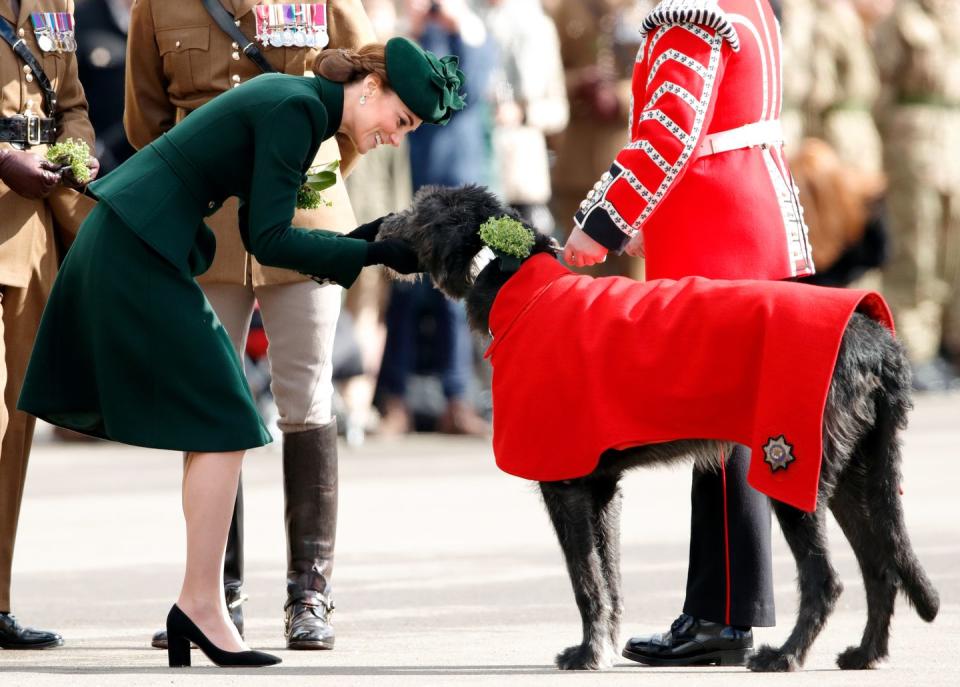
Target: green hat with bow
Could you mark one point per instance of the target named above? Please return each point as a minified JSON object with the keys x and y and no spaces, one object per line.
{"x":427,"y":84}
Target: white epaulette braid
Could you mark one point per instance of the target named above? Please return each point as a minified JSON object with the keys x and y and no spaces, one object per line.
{"x":702,"y":12}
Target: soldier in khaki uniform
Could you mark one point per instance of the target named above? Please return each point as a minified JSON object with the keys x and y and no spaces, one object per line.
{"x":599,"y":40}
{"x":798,"y":21}
{"x":178,"y":59}
{"x":32,"y":197}
{"x":844,"y":86}
{"x":918,"y":49}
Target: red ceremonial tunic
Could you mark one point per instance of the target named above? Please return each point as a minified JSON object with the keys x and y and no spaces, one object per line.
{"x":706,"y":69}
{"x":582,"y":365}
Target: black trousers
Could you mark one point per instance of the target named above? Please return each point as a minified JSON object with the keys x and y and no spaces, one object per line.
{"x":730,"y":576}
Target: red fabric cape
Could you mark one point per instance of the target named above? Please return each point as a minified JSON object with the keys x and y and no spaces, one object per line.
{"x":582,"y":365}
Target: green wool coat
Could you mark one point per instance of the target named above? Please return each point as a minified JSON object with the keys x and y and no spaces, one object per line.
{"x":129,"y":348}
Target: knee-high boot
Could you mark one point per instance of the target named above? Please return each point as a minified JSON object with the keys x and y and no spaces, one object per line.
{"x":310,"y":493}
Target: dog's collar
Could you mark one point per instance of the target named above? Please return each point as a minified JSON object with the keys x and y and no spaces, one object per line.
{"x":481,"y":260}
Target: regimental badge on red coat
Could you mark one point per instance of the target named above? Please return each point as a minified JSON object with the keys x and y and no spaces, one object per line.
{"x":778,"y":453}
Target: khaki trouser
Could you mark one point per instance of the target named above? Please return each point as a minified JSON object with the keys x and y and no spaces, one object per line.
{"x":300,"y":319}
{"x":923,"y":200}
{"x":22,"y":308}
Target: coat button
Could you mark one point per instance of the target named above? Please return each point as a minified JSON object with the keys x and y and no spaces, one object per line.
{"x":235,"y":46}
{"x":235,"y":78}
{"x":21,"y":33}
{"x":177,"y":44}
{"x":211,"y":205}
{"x":235,"y":55}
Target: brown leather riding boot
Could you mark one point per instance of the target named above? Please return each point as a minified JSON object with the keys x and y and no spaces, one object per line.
{"x":310,"y":494}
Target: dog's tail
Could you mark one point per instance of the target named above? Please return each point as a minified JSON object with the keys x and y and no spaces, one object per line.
{"x":893,"y":402}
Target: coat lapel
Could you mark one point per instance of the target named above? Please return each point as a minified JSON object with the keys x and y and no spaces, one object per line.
{"x":26,"y":8}
{"x":6,"y":11}
{"x":238,"y":8}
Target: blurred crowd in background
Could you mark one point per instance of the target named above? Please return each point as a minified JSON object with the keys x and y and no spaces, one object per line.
{"x":872,"y":121}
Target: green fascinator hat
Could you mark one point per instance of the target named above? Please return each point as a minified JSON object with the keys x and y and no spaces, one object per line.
{"x":427,"y":84}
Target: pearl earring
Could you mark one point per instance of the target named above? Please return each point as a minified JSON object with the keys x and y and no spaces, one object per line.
{"x":363,"y":99}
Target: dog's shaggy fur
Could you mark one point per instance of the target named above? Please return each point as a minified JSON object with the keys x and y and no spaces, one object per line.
{"x":859,"y":481}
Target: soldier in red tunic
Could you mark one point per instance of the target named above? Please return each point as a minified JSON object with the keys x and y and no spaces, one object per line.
{"x":703,"y":189}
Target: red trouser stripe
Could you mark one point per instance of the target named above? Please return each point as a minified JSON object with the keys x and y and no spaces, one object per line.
{"x":726,"y":533}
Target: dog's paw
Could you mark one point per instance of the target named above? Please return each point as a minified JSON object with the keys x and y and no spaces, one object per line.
{"x":584,"y":657}
{"x":769,"y":659}
{"x":855,"y":658}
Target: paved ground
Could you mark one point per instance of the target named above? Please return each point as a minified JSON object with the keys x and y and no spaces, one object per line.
{"x":447,"y":571}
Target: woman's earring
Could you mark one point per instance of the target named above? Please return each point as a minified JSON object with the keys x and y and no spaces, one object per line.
{"x":363,"y":99}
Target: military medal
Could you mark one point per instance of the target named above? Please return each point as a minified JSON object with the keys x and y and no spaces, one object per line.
{"x":299,"y":25}
{"x":54,"y":31}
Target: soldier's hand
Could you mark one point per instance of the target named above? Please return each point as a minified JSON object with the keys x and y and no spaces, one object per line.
{"x":635,"y":246}
{"x":583,"y":251}
{"x":28,"y":174}
{"x":68,"y":179}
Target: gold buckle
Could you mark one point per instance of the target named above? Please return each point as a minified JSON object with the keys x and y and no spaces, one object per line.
{"x":33,"y":128}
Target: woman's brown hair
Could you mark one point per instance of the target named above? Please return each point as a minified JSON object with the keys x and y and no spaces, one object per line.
{"x":344,"y":65}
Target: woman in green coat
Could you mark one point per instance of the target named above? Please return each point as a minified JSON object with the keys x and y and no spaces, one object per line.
{"x":130,"y":350}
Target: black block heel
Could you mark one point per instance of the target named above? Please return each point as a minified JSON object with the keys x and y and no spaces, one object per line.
{"x":178,"y":651}
{"x":181,"y":631}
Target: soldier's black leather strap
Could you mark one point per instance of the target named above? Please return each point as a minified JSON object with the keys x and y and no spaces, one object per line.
{"x":225,"y":21}
{"x":9,"y":34}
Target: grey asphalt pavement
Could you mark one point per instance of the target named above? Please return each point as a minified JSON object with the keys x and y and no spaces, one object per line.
{"x":447,"y":571}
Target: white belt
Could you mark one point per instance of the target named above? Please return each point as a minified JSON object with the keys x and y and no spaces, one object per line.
{"x":765,"y":133}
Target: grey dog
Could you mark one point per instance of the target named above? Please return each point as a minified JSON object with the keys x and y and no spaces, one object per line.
{"x":866,"y":409}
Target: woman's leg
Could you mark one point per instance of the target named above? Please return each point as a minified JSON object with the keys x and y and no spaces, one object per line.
{"x":209,"y":491}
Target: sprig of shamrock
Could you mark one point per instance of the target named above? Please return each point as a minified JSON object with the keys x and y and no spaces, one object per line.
{"x":320,"y":178}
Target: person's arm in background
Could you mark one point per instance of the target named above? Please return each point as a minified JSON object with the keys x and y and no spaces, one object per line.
{"x":148,"y":112}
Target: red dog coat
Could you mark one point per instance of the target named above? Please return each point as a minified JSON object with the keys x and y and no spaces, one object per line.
{"x":582,"y":365}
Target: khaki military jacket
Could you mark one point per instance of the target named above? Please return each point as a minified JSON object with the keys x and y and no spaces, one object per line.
{"x":594,"y":33}
{"x":918,"y":50}
{"x":178,"y":59}
{"x":26,"y":226}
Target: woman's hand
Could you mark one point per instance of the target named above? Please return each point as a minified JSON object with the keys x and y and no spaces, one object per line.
{"x":583,"y":251}
{"x":395,"y":254}
{"x":367,"y":232}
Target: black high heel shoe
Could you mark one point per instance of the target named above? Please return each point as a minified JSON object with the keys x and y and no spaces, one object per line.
{"x":181,"y":631}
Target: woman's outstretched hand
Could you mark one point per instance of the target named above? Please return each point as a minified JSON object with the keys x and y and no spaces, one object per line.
{"x":367,"y":232}
{"x":395,"y":254}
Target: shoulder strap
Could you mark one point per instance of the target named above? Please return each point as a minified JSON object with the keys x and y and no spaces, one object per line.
{"x":225,"y":21}
{"x":23,"y":52}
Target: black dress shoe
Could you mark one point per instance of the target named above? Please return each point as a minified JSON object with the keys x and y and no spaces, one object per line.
{"x":14,"y":636}
{"x":234,"y":599}
{"x":307,"y":620}
{"x":692,"y":642}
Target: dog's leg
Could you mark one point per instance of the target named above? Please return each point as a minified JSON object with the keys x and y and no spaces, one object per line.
{"x":571,"y":510}
{"x":875,"y":554}
{"x":818,"y":582}
{"x":868,"y":507}
{"x":606,"y":528}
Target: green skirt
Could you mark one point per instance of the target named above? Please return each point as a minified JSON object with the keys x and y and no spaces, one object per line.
{"x":129,"y":349}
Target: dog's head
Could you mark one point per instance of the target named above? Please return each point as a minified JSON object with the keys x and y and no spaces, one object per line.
{"x":443,"y":225}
